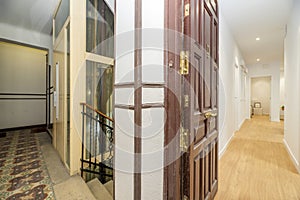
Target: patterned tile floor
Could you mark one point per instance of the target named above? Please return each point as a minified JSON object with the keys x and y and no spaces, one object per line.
{"x":23,"y":172}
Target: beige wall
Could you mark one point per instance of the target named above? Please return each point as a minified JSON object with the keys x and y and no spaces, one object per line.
{"x":22,"y":70}
{"x":261,"y":92}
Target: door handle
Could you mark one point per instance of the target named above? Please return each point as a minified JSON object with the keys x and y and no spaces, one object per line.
{"x":210,"y":114}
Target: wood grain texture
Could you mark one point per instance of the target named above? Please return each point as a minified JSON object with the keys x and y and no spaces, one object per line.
{"x":256,"y":164}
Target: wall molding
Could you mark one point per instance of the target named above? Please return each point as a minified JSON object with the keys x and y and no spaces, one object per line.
{"x":292,"y":156}
{"x":222,"y":151}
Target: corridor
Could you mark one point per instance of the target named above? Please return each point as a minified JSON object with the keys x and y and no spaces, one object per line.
{"x":256,"y":164}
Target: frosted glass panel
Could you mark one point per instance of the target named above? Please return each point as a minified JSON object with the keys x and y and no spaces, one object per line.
{"x":99,"y":86}
{"x":61,"y":15}
{"x":99,"y":28}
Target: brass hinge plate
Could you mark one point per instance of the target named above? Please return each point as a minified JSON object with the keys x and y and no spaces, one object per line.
{"x":184,"y":62}
{"x":184,"y":139}
{"x":186,"y":101}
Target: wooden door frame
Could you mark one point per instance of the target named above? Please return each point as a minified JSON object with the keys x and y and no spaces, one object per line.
{"x":173,"y":25}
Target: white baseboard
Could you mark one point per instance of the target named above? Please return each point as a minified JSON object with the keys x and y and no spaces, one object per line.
{"x":221,"y":153}
{"x":241,"y":124}
{"x":294,"y":160}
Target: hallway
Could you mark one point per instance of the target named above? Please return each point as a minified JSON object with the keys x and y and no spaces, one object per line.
{"x":30,"y":168}
{"x":256,"y":164}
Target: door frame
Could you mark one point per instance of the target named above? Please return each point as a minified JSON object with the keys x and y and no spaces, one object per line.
{"x":250,"y":91}
{"x":62,"y":35}
{"x":172,"y":160}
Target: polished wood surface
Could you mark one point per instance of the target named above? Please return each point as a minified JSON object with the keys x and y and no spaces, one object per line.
{"x":97,"y":111}
{"x":256,"y":164}
{"x":200,"y":162}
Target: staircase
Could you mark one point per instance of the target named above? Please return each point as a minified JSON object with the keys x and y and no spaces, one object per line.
{"x":97,"y":152}
{"x":100,"y":191}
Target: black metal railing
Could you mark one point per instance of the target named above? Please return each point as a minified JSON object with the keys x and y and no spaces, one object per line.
{"x":97,"y":145}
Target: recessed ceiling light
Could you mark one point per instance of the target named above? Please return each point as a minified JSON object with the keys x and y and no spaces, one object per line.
{"x":257,"y":39}
{"x":257,"y":59}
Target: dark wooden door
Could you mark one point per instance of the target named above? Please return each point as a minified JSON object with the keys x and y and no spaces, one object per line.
{"x":200,"y":93}
{"x":191,"y":157}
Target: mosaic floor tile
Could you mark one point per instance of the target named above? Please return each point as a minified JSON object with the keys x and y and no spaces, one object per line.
{"x":23,"y":172}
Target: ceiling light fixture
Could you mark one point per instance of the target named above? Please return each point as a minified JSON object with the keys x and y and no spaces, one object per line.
{"x":257,"y":39}
{"x":257,"y":59}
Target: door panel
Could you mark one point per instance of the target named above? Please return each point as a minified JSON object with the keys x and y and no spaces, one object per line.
{"x":201,"y":117}
{"x":196,"y":114}
{"x":207,"y":56}
{"x":196,"y":14}
{"x":59,"y":87}
{"x":215,"y":41}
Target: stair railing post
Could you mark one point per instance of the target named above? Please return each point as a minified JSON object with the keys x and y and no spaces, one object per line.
{"x":82,"y":144}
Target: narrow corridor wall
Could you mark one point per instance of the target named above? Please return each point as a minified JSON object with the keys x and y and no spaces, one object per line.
{"x":292,"y":88}
{"x":230,"y":57}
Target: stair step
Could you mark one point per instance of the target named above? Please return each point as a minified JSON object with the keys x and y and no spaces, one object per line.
{"x":73,"y":188}
{"x":110,"y":187}
{"x":99,"y":190}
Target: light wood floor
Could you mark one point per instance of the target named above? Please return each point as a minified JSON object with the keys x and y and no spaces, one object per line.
{"x":257,"y":166}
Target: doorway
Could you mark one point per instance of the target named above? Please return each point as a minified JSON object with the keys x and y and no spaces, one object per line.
{"x":261,"y":95}
{"x":195,"y":174}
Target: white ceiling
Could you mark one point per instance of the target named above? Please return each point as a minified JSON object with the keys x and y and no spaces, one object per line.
{"x":30,"y":14}
{"x":247,"y":19}
{"x":266,"y":19}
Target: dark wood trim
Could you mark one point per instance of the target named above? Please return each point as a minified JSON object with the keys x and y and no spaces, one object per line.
{"x":123,"y":106}
{"x":173,"y":26}
{"x":114,"y":105}
{"x":153,"y":85}
{"x":152,"y":105}
{"x":143,"y":84}
{"x":24,"y":44}
{"x":22,"y":98}
{"x":166,"y":64}
{"x":22,"y":94}
{"x":138,"y":101}
{"x":23,"y":127}
{"x":124,"y":85}
{"x":143,"y":106}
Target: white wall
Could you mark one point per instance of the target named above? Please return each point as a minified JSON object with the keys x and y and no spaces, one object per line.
{"x":292,"y":88}
{"x":26,"y":36}
{"x":273,"y":70}
{"x":22,"y":70}
{"x":261,"y":92}
{"x":282,"y":92}
{"x":230,"y":57}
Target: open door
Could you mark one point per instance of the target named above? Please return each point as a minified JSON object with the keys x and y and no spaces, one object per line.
{"x":195,"y":174}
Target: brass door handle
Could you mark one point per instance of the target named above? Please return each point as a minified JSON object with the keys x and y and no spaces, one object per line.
{"x":210,"y":114}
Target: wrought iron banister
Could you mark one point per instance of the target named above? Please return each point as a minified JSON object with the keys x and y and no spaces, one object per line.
{"x":97,"y":144}
{"x":97,"y":111}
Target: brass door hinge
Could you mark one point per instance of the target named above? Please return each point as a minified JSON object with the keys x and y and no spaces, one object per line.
{"x":186,"y":101}
{"x":184,"y":139}
{"x":184,"y":62}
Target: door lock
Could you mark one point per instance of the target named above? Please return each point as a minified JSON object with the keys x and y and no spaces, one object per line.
{"x":210,"y":114}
